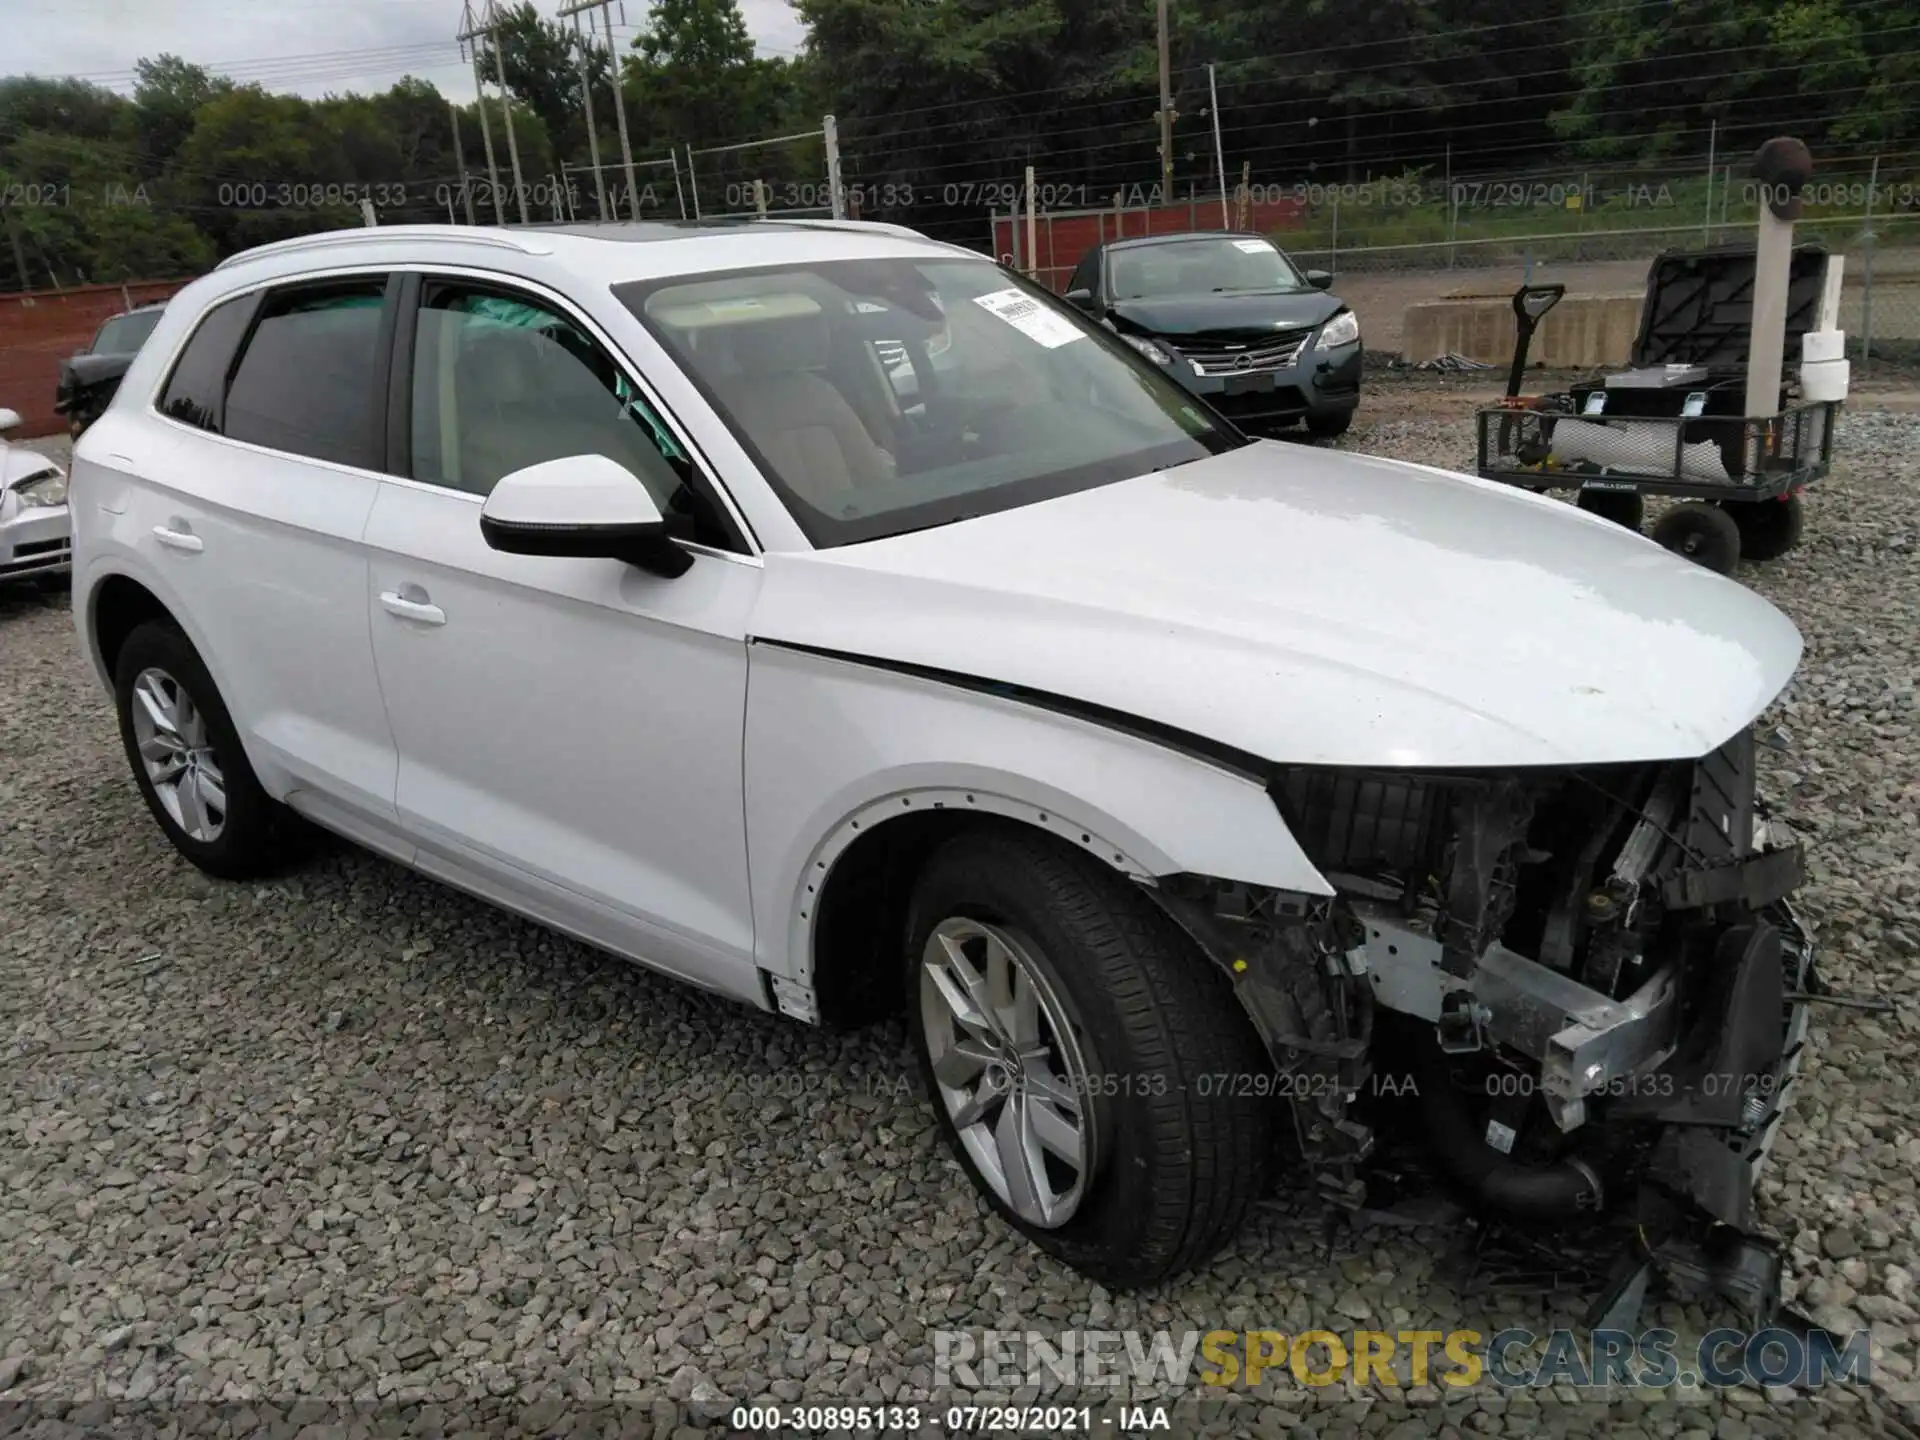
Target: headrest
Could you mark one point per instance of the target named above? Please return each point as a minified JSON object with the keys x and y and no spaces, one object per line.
{"x":501,"y":368}
{"x":780,"y":347}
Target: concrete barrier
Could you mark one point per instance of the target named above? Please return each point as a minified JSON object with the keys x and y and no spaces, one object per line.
{"x":1582,"y":331}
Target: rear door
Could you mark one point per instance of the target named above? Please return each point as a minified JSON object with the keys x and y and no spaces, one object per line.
{"x":254,"y":514}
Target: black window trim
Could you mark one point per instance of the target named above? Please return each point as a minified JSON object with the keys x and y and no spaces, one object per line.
{"x":518,"y":288}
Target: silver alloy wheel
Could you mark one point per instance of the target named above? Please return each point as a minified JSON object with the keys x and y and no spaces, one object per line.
{"x":1008,"y":1069}
{"x":174,"y":746}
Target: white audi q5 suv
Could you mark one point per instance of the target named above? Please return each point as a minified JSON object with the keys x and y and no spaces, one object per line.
{"x":654,"y":582}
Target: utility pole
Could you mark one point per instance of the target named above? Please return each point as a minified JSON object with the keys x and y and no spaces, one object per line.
{"x":586,"y":98}
{"x":1166,"y":111}
{"x":605,"y":7}
{"x":460,"y":162}
{"x":469,"y":30}
{"x":506,"y":107}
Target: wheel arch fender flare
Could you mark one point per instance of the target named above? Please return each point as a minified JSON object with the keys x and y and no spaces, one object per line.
{"x":87,"y":591}
{"x":1118,"y":829}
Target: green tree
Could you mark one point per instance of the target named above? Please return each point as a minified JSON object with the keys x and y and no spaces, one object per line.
{"x":167,"y":97}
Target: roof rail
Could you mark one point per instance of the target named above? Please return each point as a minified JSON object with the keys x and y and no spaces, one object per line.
{"x":373,"y":234}
{"x":873,"y":227}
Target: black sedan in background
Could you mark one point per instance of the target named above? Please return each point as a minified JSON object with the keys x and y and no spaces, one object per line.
{"x":1232,"y":319}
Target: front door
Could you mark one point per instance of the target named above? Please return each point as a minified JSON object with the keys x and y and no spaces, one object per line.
{"x":569,"y":730}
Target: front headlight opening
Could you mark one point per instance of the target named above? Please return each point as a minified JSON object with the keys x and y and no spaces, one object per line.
{"x":1147,"y":348}
{"x":43,"y":491}
{"x":1343,"y":329}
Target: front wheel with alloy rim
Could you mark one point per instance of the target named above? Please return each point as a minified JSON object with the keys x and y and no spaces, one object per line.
{"x":1089,"y":1068}
{"x":188,"y":761}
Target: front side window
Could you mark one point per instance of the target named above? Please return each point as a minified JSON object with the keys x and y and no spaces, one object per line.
{"x":502,"y":381}
{"x":1201,"y":266}
{"x":309,"y":381}
{"x":880,"y":396}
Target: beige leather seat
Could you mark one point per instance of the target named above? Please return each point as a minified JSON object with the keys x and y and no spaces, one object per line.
{"x":810,"y":435}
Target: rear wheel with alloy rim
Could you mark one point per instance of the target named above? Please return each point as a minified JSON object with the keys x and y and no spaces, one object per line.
{"x":188,"y":762}
{"x":1088,"y":1066}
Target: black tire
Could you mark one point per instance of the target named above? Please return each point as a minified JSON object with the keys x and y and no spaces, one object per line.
{"x":1704,"y":533}
{"x":1326,"y":426}
{"x":256,"y":834}
{"x":1768,"y":528}
{"x":1622,"y":507}
{"x":1179,"y":1154}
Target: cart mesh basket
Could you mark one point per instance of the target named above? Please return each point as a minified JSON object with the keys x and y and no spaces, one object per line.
{"x":1549,"y":449}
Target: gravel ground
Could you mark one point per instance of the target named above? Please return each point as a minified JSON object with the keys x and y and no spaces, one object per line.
{"x":350,"y":1138}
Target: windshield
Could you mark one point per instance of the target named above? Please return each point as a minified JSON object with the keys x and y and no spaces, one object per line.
{"x":1201,"y":266}
{"x":124,"y":334}
{"x":880,"y":396}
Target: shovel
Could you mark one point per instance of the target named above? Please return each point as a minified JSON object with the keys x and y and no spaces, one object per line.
{"x":1530,"y":305}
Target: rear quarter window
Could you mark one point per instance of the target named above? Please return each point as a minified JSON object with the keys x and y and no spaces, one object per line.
{"x":196,"y":389}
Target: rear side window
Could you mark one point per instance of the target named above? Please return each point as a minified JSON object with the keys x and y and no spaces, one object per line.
{"x":309,"y":381}
{"x":199,"y":381}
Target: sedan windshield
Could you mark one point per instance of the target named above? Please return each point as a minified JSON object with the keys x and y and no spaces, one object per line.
{"x":125,"y":334}
{"x":1201,"y":266}
{"x":880,"y":396}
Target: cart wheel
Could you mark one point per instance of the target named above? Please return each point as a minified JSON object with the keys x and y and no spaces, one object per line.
{"x":1768,"y":528}
{"x":1623,"y":507}
{"x":1704,"y":533}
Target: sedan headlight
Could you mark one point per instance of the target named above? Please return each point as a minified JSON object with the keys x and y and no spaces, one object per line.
{"x":1147,"y":348}
{"x":1342,"y":329}
{"x":43,"y":490}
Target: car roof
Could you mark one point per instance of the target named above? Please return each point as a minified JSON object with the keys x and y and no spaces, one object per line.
{"x":608,"y":253}
{"x":1137,"y":241}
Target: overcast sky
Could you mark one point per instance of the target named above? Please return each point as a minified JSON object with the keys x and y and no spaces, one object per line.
{"x":309,"y":47}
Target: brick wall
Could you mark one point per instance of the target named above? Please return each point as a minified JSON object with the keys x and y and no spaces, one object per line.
{"x":40,"y":328}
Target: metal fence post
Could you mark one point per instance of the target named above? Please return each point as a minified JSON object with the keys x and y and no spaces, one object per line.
{"x":693,"y":184}
{"x":1866,"y":279}
{"x":1333,"y":253}
{"x":831,"y":129}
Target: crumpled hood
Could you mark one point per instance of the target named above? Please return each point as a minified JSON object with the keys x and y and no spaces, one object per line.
{"x":1242,"y":313}
{"x":1313,"y":607}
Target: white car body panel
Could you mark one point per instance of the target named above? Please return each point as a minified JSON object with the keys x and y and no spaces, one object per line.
{"x":1311,"y":607}
{"x":572,"y":724}
{"x":833,"y":748}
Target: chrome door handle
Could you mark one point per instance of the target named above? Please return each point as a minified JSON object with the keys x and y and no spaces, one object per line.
{"x":173,"y":539}
{"x":419,"y":611}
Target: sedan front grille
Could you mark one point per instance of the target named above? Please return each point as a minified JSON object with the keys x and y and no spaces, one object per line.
{"x":1250,"y":358}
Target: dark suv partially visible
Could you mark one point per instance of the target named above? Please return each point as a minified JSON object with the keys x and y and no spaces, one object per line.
{"x":89,"y":379}
{"x":1233,"y":320}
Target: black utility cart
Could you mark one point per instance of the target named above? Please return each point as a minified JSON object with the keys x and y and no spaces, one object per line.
{"x":1675,"y":423}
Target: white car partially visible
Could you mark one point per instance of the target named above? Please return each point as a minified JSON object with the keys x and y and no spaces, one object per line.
{"x":1169,"y":781}
{"x":36,"y":535}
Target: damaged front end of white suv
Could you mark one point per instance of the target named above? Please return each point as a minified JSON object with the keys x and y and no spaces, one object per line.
{"x":1590,"y":977}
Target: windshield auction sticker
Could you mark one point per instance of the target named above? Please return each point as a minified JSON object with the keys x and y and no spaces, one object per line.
{"x":1030,"y":318}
